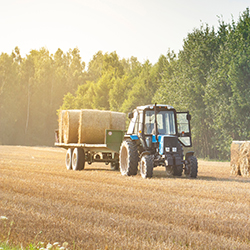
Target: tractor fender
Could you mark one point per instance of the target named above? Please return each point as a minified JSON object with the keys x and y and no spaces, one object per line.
{"x":188,"y":154}
{"x":144,"y":153}
{"x":131,"y":137}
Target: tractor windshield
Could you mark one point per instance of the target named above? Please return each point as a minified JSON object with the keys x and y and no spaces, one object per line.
{"x":165,"y":122}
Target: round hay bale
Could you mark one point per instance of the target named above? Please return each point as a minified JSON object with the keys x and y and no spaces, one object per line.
{"x":118,"y":121}
{"x":70,"y":125}
{"x":235,"y":154}
{"x":244,"y":166}
{"x":92,"y":126}
{"x":244,"y":159}
{"x":60,"y":125}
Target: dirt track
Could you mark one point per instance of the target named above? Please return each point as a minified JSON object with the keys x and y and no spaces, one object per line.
{"x":98,"y":208}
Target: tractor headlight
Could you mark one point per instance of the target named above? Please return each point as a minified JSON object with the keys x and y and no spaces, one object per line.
{"x":167,"y":149}
{"x":174,"y":149}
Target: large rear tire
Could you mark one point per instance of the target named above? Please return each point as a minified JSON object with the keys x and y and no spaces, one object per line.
{"x":68,"y":160}
{"x":128,"y":158}
{"x":78,"y":159}
{"x":146,"y":166}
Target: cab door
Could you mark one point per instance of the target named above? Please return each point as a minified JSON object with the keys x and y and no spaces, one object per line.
{"x":183,"y":126}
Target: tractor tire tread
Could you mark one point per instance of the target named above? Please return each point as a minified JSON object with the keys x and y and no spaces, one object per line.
{"x":147,"y":170}
{"x":133,"y":158}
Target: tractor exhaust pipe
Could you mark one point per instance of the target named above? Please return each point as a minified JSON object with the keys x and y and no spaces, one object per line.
{"x":155,"y":124}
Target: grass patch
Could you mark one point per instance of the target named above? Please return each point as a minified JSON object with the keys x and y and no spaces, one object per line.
{"x":4,"y":246}
{"x":39,"y":246}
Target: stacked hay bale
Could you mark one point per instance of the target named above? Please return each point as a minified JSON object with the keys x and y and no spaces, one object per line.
{"x":240,"y":158}
{"x":92,"y":126}
{"x":88,"y":125}
{"x":93,"y":123}
{"x":118,"y":120}
{"x":60,"y":123}
{"x":70,"y":125}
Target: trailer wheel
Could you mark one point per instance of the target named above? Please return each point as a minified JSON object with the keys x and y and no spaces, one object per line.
{"x":114,"y":165}
{"x":191,"y":169}
{"x":146,"y":166}
{"x":128,"y":158}
{"x":68,"y":160}
{"x":78,"y":159}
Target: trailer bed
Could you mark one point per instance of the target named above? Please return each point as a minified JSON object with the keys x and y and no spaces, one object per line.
{"x":88,"y":147}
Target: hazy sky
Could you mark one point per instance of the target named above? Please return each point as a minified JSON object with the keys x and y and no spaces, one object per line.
{"x":141,"y":28}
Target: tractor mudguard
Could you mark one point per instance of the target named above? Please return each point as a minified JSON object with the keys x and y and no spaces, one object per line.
{"x":144,"y":153}
{"x":134,"y":137}
{"x":188,"y":154}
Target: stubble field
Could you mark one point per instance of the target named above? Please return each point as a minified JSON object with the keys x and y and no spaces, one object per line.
{"x":97,"y":208}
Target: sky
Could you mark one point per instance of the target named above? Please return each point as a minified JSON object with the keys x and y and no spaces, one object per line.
{"x":144,"y":29}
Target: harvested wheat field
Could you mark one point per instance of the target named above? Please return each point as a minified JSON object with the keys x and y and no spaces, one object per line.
{"x":99,"y":209}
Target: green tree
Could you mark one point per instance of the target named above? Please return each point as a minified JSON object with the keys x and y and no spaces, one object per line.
{"x":143,"y":89}
{"x":228,"y":87}
{"x":10,"y":97}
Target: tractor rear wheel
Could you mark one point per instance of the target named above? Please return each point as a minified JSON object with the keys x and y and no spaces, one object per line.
{"x":128,"y":158}
{"x":78,"y":159}
{"x":146,"y":166}
{"x":191,"y":169}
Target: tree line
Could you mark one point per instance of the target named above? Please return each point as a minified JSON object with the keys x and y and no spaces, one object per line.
{"x":210,"y":77}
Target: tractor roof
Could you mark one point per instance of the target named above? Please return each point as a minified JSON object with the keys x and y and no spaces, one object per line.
{"x":151,"y":106}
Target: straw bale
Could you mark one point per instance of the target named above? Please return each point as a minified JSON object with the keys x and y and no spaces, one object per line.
{"x":118,"y":120}
{"x":92,"y":126}
{"x":244,"y":159}
{"x":60,"y":125}
{"x":70,"y":125}
{"x":235,"y":153}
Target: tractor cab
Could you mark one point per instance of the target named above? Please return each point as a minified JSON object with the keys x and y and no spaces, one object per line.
{"x":159,"y":133}
{"x":150,"y":123}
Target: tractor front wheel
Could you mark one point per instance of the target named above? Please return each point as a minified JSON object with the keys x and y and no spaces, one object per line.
{"x":128,"y":158}
{"x":177,"y":170}
{"x":146,"y":166}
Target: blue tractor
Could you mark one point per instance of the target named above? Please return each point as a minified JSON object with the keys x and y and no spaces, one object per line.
{"x":156,"y":137}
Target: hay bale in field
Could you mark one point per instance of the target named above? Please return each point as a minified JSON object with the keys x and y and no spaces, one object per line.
{"x":70,"y":125}
{"x":92,"y":126}
{"x":118,"y":120}
{"x":244,"y":159}
{"x":235,"y":153}
{"x":60,"y":125}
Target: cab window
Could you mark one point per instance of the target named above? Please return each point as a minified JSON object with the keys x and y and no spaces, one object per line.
{"x":132,"y":124}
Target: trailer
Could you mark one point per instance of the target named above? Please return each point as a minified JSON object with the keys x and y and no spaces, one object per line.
{"x":79,"y":153}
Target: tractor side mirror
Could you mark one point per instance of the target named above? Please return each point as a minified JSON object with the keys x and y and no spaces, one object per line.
{"x":189,"y":117}
{"x":130,"y":115}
